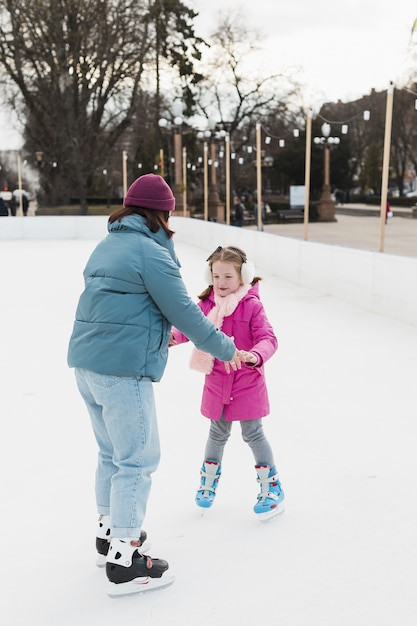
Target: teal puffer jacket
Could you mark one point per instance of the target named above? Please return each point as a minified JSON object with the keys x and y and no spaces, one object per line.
{"x":133,"y":294}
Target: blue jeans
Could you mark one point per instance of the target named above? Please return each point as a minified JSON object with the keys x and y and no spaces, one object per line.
{"x":123,"y":416}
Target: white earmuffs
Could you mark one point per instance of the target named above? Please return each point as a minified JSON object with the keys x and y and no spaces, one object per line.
{"x":247,"y":272}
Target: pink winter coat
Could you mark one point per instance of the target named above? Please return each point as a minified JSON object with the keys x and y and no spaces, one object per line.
{"x":242,"y":394}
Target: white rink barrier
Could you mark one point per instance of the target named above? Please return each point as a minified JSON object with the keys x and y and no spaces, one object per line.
{"x":378,"y":282}
{"x":53,"y":227}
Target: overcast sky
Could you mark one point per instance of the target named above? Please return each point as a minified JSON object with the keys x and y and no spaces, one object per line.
{"x":343,"y":49}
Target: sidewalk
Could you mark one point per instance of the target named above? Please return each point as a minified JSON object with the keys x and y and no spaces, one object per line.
{"x":357,"y":231}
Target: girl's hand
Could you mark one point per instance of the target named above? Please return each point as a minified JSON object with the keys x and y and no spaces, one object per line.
{"x":172,"y":341}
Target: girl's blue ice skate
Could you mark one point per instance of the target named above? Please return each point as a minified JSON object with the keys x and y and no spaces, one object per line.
{"x":210,"y":474}
{"x":270,"y":499}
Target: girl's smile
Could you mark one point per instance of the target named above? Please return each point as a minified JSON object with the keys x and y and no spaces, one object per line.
{"x":226,"y":278}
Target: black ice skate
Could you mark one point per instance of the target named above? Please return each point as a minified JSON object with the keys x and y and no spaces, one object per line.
{"x":129,"y":571}
{"x":103,"y":540}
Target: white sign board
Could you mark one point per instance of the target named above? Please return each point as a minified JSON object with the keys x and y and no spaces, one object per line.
{"x":297,"y":195}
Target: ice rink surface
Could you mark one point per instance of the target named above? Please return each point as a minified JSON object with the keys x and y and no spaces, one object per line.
{"x":343,"y":428}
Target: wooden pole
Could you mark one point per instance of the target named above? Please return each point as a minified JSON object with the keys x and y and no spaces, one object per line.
{"x":162,"y":162}
{"x":178,"y":161}
{"x":124,"y":169}
{"x":19,"y":177}
{"x":184,"y":181}
{"x":307,"y":172}
{"x":205,"y":160}
{"x":259,"y":174}
{"x":385,"y":165}
{"x":227,"y":153}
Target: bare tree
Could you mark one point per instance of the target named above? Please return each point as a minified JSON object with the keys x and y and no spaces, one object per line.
{"x":235,"y":92}
{"x":76,"y":69}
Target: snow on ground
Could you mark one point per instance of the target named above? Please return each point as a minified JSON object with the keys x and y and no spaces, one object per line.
{"x":343,"y":427}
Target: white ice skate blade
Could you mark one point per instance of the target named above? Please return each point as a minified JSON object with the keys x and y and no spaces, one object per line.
{"x":265,"y":517}
{"x":139,"y":585}
{"x":101,"y":559}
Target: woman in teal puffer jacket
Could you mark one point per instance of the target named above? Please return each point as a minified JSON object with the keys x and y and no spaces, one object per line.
{"x":119,"y":346}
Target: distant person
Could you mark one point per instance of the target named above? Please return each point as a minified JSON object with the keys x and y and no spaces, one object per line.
{"x":388,"y":212}
{"x":339,"y":195}
{"x":266,"y":211}
{"x":13,"y":204}
{"x":25,"y":204}
{"x":263,"y":214}
{"x":232,"y":303}
{"x":119,"y":347}
{"x":239,"y":212}
{"x":4,"y":211}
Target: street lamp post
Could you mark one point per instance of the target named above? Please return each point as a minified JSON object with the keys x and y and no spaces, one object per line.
{"x":307,"y":173}
{"x":213,"y":207}
{"x":326,"y":206}
{"x":216,"y":208}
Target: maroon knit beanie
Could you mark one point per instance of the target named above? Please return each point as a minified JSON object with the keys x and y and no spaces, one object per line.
{"x":150,"y":192}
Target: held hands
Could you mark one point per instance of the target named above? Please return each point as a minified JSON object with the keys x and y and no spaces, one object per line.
{"x":249,"y":357}
{"x":236,"y":362}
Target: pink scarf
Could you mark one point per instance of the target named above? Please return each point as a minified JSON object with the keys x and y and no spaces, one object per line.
{"x":203,"y":361}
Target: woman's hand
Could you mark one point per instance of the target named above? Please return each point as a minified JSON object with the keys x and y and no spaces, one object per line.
{"x":235,"y":363}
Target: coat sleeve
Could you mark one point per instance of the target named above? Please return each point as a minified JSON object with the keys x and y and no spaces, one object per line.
{"x":178,"y":336}
{"x":265,"y":342}
{"x":165,"y":286}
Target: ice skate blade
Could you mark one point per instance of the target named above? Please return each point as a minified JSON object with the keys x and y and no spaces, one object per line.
{"x":139,"y":585}
{"x":265,"y":517}
{"x":101,"y":558}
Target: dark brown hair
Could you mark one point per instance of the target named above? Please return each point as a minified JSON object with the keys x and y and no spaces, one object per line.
{"x":154,"y":219}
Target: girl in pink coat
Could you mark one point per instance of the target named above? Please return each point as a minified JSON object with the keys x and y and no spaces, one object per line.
{"x":233,"y":304}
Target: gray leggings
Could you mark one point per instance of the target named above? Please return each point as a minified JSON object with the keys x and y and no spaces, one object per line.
{"x":252,"y":434}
